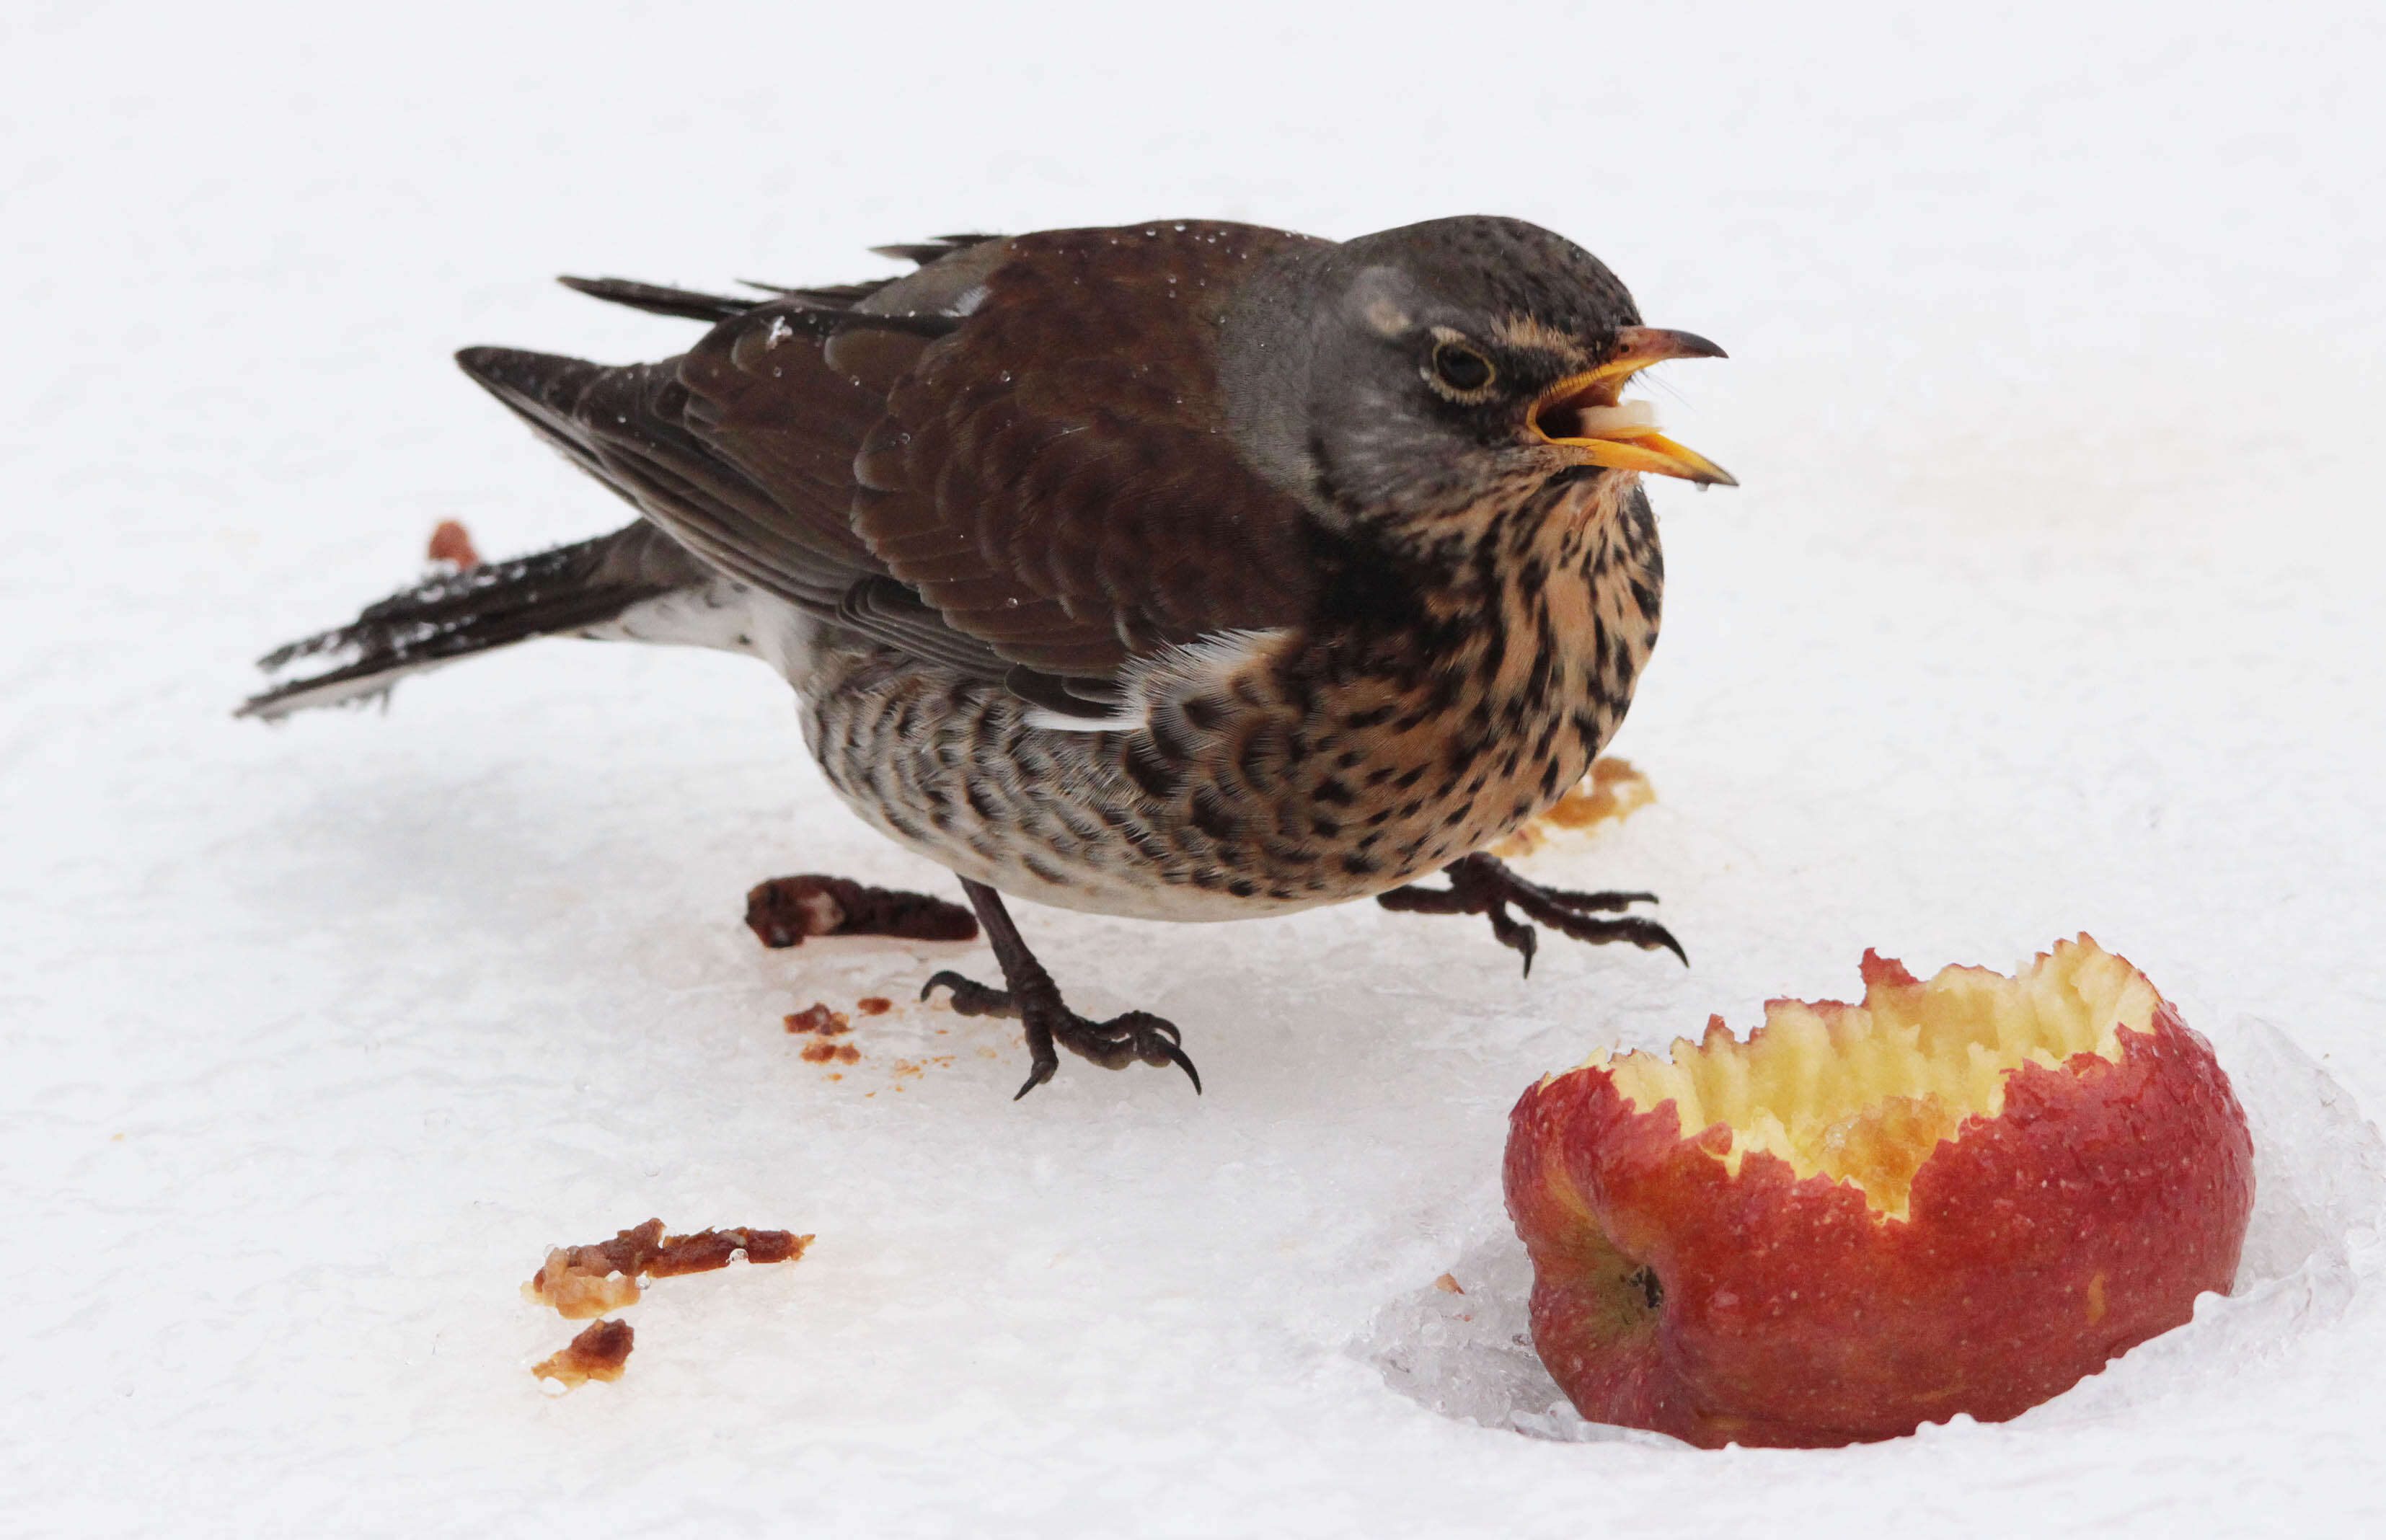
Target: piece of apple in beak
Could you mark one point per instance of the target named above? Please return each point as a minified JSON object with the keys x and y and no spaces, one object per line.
{"x":1961,"y":1195}
{"x":1583,"y":416}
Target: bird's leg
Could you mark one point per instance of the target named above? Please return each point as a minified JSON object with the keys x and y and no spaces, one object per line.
{"x":1034,"y":1000}
{"x":1482,"y":884}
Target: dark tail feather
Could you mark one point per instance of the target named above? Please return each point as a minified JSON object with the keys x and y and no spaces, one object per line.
{"x":817,"y":311}
{"x":692,"y":304}
{"x":926,"y":252}
{"x":656,"y":299}
{"x":489,"y":606}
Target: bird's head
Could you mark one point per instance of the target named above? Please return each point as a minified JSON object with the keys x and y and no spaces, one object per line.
{"x":1423,"y":375}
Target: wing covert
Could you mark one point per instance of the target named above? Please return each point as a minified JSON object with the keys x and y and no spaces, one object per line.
{"x":1055,"y":478}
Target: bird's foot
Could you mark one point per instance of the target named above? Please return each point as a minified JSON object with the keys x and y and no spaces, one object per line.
{"x":1034,"y":1001}
{"x":1483,"y":884}
{"x":1136,"y":1037}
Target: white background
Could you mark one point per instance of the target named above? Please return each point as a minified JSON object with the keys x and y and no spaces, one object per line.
{"x":2047,"y":605}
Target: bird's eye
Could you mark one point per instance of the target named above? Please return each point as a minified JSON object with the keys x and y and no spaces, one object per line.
{"x":1461,"y":369}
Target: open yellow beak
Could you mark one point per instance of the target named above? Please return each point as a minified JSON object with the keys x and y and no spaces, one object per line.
{"x":1581,"y":414}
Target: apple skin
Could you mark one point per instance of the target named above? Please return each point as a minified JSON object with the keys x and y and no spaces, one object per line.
{"x":1762,"y":1309}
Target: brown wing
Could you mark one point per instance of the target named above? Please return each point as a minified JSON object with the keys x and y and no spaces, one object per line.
{"x":1054,"y":478}
{"x":1026,"y":433}
{"x":783,"y":524}
{"x":759,"y":395}
{"x":742,"y":450}
{"x":786,"y":390}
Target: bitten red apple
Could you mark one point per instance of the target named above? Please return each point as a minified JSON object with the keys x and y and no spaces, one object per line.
{"x":1958,"y":1196}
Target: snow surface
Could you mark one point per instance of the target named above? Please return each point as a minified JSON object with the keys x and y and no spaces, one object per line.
{"x":2047,"y":605}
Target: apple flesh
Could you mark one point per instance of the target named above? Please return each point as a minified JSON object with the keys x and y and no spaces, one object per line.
{"x":1957,"y":1196}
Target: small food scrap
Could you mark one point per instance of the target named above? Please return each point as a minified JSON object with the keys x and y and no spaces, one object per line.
{"x":451,"y":542}
{"x":1612,"y":791}
{"x":832,"y":1053}
{"x":817,"y":1018}
{"x":710,"y":1250}
{"x":583,"y":1281}
{"x":784,"y":910}
{"x":873,"y":1005}
{"x":601,"y":1352}
{"x":1448,"y":1284}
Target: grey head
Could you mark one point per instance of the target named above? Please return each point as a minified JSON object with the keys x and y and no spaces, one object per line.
{"x":1414,"y":376}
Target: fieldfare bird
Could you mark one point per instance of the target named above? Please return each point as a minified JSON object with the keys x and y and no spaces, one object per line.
{"x":1183,"y":571}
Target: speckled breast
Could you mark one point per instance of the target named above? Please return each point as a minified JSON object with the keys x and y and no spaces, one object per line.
{"x":1326,"y":768}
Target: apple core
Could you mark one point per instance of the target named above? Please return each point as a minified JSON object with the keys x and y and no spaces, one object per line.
{"x":1863,"y":1093}
{"x":1959,"y":1196}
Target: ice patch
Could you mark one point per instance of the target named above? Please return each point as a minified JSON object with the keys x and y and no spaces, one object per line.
{"x":1470,"y":1356}
{"x":2319,"y":1171}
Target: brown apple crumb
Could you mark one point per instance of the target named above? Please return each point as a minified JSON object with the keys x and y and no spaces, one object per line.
{"x":873,"y":1005}
{"x":708,"y":1250}
{"x":601,"y":1352}
{"x":831,"y":1053}
{"x":1448,"y":1284}
{"x":784,"y":910}
{"x":817,"y":1018}
{"x":583,"y":1281}
{"x":451,"y":542}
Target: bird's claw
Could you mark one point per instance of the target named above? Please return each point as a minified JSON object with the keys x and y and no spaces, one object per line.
{"x":1136,"y":1037}
{"x":1484,"y":885}
{"x":971,"y":997}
